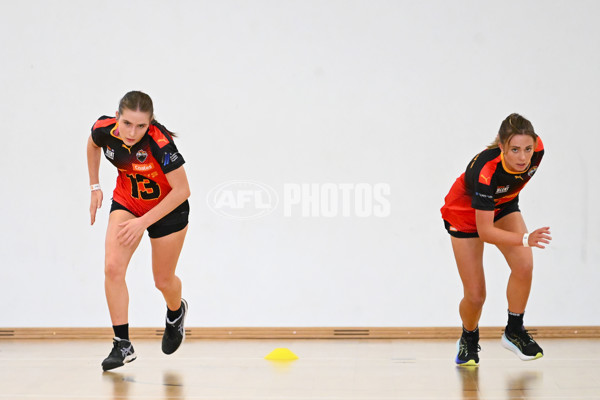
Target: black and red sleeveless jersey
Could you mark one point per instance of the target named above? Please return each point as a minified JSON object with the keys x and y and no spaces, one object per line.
{"x":141,"y":183}
{"x":487,"y":184}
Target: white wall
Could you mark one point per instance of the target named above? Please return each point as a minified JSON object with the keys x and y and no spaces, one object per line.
{"x":292,"y":92}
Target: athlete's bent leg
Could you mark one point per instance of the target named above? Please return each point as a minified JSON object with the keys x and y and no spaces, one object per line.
{"x":468,"y":253}
{"x":165,"y":254}
{"x":520,"y":261}
{"x":117,"y":259}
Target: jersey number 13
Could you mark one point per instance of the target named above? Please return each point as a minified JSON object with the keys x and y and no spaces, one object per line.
{"x":143,"y":187}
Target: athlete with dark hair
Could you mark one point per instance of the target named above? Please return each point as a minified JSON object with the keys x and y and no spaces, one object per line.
{"x":483,"y":206}
{"x":151,"y":194}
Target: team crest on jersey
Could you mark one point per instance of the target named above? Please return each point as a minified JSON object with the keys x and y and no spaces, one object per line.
{"x":110,"y":153}
{"x":532,"y":171}
{"x":141,"y":156}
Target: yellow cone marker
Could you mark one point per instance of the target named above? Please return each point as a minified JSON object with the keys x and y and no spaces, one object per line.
{"x":281,"y":354}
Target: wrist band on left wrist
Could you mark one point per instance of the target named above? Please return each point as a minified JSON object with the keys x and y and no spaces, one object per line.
{"x":526,"y":240}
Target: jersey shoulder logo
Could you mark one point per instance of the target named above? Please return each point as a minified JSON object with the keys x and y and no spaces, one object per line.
{"x":159,"y":137}
{"x":169,"y":158}
{"x":488,"y":171}
{"x":110,"y":153}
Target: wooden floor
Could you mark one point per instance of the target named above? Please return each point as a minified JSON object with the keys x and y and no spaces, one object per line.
{"x":326,"y":369}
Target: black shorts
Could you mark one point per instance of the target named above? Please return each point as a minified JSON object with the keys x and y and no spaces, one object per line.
{"x":173,"y":222}
{"x":508,"y":208}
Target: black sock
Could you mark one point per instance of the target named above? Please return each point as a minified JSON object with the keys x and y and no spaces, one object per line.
{"x":515,"y":321}
{"x":173,"y":315}
{"x":121,"y":331}
{"x":471,"y":334}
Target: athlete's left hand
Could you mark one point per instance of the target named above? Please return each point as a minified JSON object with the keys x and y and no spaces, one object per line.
{"x":131,"y":231}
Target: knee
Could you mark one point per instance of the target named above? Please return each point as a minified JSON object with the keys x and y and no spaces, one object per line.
{"x":163,"y":282}
{"x":523,"y":271}
{"x":476,"y":298}
{"x":114,"y":271}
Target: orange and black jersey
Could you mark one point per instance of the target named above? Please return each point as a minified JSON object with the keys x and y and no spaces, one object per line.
{"x":141,"y":183}
{"x":487,"y":184}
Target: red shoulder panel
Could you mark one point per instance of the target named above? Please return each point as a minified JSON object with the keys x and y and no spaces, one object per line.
{"x":159,"y":137}
{"x":485,"y":175}
{"x":101,"y":123}
{"x":540,"y":145}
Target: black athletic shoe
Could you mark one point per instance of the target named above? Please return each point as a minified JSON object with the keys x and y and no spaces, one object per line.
{"x":121,"y":353}
{"x":522,"y":344}
{"x":467,"y":349}
{"x":174,"y":331}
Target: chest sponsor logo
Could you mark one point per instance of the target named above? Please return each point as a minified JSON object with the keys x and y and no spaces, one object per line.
{"x":502,"y":189}
{"x":485,"y":179}
{"x":141,"y":156}
{"x":110,"y":153}
{"x":143,"y":167}
{"x":519,"y":177}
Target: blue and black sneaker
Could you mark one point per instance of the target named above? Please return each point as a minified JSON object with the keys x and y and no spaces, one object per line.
{"x":467,"y":349}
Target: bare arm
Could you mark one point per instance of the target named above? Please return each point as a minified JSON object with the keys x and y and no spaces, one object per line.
{"x":490,"y":234}
{"x":180,"y":191}
{"x":94,"y":154}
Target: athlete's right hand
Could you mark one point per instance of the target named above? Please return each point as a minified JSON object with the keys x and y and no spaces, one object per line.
{"x":539,"y":237}
{"x":95,"y":204}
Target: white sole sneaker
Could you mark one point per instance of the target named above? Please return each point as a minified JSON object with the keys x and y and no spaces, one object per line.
{"x":507,"y":344}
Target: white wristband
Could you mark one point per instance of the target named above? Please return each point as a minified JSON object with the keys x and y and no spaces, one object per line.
{"x":95,"y":186}
{"x":526,"y":239}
